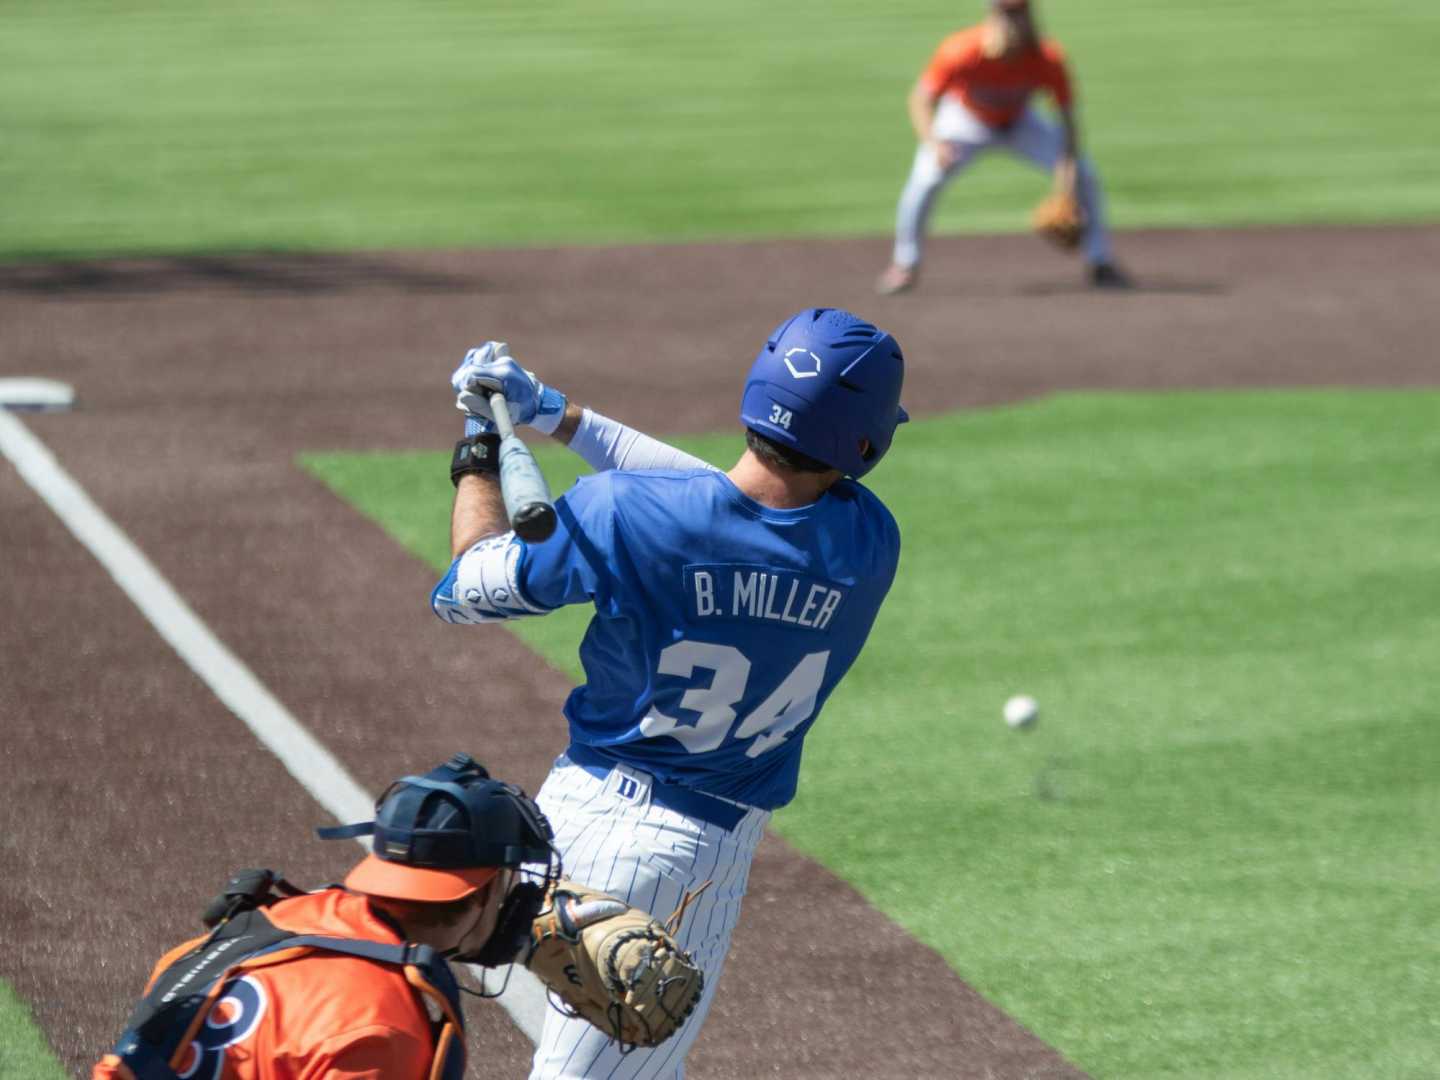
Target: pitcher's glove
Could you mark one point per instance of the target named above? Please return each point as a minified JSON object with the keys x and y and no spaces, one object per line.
{"x":1059,"y":220}
{"x":613,"y":964}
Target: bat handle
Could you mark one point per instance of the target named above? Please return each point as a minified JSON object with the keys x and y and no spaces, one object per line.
{"x":500,"y":408}
{"x":527,"y":498}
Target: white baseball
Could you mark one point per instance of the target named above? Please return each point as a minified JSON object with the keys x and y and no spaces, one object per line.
{"x":1021,"y":711}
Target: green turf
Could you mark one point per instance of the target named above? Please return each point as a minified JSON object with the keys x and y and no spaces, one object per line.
{"x":170,"y":126}
{"x":24,"y":1054}
{"x":1215,"y":855}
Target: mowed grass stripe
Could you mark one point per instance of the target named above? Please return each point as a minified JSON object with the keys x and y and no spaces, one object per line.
{"x":1214,"y":856}
{"x":24,"y":1053}
{"x":165,"y":126}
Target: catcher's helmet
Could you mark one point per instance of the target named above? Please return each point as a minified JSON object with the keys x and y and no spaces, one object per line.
{"x":824,"y":381}
{"x":441,"y":836}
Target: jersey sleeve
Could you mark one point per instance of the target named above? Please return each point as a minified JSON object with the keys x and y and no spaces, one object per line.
{"x":375,"y":1052}
{"x":949,"y":62}
{"x":577,"y":564}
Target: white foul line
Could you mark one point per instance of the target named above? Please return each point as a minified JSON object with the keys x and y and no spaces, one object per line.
{"x":304,"y":756}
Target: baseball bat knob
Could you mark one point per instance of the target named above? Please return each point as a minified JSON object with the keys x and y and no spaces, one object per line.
{"x":535,"y":522}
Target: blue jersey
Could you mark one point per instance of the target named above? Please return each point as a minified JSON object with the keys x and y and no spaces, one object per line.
{"x":721,"y":626}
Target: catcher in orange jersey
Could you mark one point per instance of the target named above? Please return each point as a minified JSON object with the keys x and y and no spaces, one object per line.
{"x":975,"y":96}
{"x":351,"y":982}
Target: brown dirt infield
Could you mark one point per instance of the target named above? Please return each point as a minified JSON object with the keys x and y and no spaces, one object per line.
{"x":129,"y":792}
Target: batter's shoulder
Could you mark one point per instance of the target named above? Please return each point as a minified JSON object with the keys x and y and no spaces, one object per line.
{"x":663,"y":478}
{"x":592,"y":490}
{"x":626,"y":488}
{"x":855,"y":492}
{"x":669,"y":498}
{"x":873,"y":519}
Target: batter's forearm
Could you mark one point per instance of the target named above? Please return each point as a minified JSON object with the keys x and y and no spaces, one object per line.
{"x":569,"y":423}
{"x":479,"y":511}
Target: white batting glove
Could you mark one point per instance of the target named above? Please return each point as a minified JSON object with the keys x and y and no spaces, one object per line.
{"x":490,"y":368}
{"x":478,"y":417}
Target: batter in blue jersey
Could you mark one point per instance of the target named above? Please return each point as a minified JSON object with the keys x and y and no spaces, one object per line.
{"x":727,"y":607}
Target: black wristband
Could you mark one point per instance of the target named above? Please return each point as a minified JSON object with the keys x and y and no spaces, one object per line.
{"x":477,"y":454}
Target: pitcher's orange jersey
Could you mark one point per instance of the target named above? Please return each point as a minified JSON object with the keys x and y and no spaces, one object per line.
{"x":996,"y":91}
{"x":319,"y":1017}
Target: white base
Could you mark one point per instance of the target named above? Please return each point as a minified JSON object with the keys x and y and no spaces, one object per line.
{"x":25,"y":394}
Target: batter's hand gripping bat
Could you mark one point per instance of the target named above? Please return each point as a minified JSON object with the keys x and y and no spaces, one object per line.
{"x":527,"y":498}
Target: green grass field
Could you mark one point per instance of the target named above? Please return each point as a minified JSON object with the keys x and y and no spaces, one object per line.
{"x":24,"y":1054}
{"x":175,"y":127}
{"x":1214,"y":857}
{"x":1227,"y":605}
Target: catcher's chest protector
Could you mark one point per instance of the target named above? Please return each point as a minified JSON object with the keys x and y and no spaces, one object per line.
{"x":166,"y":1036}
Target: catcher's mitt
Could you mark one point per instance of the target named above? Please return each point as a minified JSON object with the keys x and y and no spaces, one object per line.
{"x":1060,"y":220}
{"x":613,"y":964}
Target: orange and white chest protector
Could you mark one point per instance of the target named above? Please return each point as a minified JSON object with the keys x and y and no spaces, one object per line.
{"x":311,"y":988}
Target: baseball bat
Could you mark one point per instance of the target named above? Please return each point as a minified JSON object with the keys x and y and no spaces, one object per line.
{"x":527,"y":497}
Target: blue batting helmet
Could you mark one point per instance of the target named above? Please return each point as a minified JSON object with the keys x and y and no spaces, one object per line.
{"x":825,"y":381}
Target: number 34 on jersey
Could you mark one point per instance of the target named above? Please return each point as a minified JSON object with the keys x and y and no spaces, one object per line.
{"x":787,"y":707}
{"x":755,"y":595}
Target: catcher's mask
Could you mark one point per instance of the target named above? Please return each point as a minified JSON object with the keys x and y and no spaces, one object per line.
{"x":442,"y":836}
{"x":825,"y":382}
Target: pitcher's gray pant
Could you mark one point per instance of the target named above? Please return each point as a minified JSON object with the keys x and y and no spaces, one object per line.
{"x":1032,"y":137}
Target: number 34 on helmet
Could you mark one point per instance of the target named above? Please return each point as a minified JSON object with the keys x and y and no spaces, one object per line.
{"x":827,"y":383}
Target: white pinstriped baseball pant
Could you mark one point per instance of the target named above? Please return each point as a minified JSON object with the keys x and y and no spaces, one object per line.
{"x":651,"y":856}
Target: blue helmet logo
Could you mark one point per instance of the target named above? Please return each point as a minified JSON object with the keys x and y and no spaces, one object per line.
{"x":827,"y":383}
